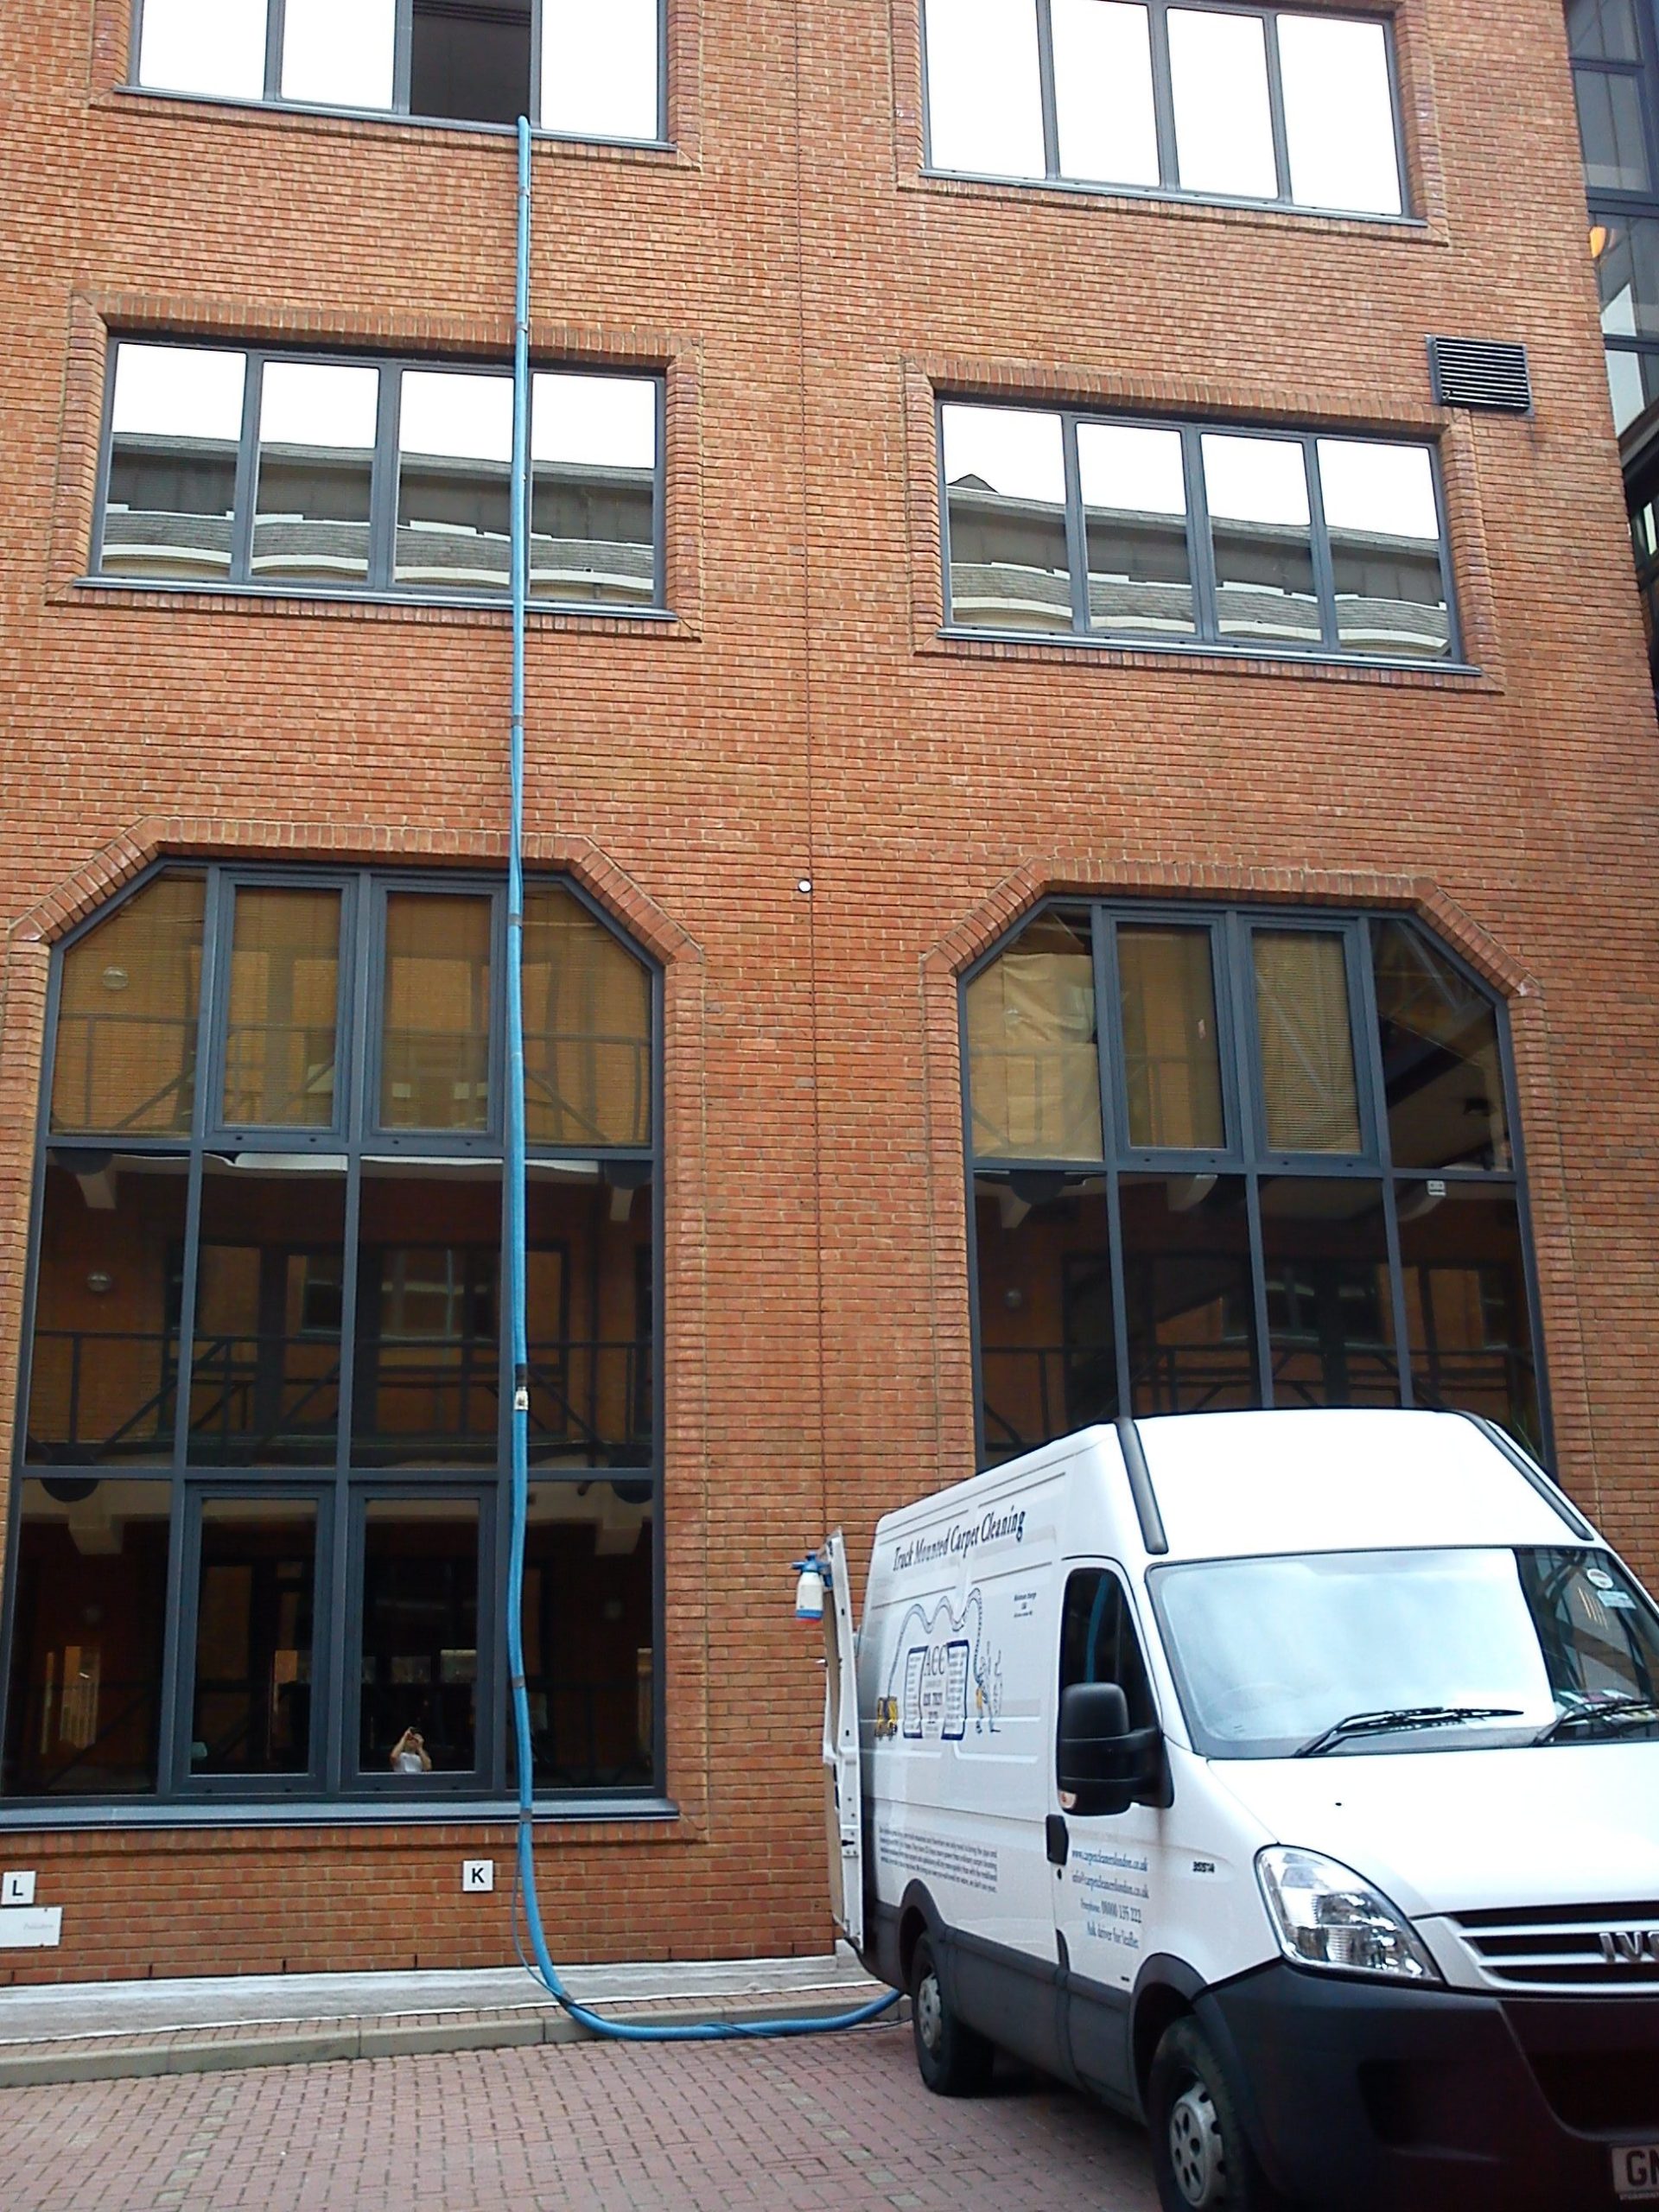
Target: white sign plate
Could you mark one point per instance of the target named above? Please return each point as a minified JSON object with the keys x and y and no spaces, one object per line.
{"x":30,"y":1927}
{"x":478,"y":1875}
{"x":16,"y":1889}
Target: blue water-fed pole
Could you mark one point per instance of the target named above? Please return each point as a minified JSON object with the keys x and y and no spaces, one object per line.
{"x":540,"y":1962}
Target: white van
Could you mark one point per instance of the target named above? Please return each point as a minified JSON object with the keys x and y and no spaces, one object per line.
{"x":1289,"y":1779}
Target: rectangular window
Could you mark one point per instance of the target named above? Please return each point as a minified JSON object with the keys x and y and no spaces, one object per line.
{"x":280,"y":472}
{"x":284,"y":1006}
{"x":1255,"y":104}
{"x":417,"y":1697}
{"x":1263,"y":544}
{"x":256,"y":1606}
{"x":600,"y":75}
{"x":1309,"y":1094}
{"x":1172,"y":1062}
{"x":435,"y":1045}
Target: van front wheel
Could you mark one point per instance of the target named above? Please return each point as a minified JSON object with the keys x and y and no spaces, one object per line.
{"x":1200,"y":2154}
{"x":955,"y":2060}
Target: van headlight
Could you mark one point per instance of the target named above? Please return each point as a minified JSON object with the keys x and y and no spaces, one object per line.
{"x":1326,"y":1915}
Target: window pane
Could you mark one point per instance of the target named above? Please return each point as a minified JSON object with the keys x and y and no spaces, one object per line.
{"x":279,"y":1037}
{"x":1330,"y":1319}
{"x":124,"y":1058}
{"x":984,"y":97}
{"x":338,"y":53}
{"x":204,"y":46}
{"x":600,"y":69}
{"x":1628,"y":271}
{"x":177,"y":421}
{"x":1048,"y":1360}
{"x":1005,"y":478}
{"x":417,"y":1706}
{"x":316,"y":447}
{"x":427,"y":1378}
{"x":1171,"y":1066}
{"x":1603,"y":30}
{"x":1338,"y":114}
{"x":1098,"y":1642}
{"x":1442,"y":1071}
{"x":1186,"y":1280}
{"x":1103,"y":91}
{"x":587,"y":1027}
{"x":590,"y":1286}
{"x":84,"y":1714}
{"x":1259,"y":522}
{"x":594,"y":455}
{"x":1633,"y":384}
{"x":104,"y":1378}
{"x":1307,"y":1042}
{"x":469,"y":60}
{"x":1384,"y":526}
{"x":1135,"y":516}
{"x":264,"y":1377}
{"x":1466,"y":1307}
{"x":256,"y":1598}
{"x":1034,"y":1066}
{"x":453,"y":483}
{"x":434,"y":1040}
{"x":1224,"y":126}
{"x":1610,"y":131}
{"x":587,"y":1621}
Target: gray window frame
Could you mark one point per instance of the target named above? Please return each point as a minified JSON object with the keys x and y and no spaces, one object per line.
{"x":1612,"y":208}
{"x":1246,"y":1154}
{"x":1169,"y":187}
{"x":1207,"y":637}
{"x":380,"y":587}
{"x":335,"y":1791}
{"x":400,"y":112}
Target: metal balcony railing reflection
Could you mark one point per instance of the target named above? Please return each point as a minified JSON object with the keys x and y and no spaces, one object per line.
{"x":115,"y":1072}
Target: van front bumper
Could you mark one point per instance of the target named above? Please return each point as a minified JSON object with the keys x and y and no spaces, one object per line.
{"x":1361,"y":2095}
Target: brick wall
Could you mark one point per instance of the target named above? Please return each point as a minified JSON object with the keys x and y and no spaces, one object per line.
{"x":807,"y":291}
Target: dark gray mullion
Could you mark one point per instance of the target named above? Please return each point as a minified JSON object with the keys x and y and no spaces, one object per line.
{"x":1325,"y":581}
{"x":976,"y":1328}
{"x":402,"y":42}
{"x":1362,"y":1030}
{"x":949,"y":602}
{"x":1201,"y":551}
{"x":1371,"y":1034}
{"x":533,"y":89}
{"x":335,"y":1602}
{"x":659,"y":1418}
{"x":1259,"y":1290}
{"x":1448,"y":580}
{"x":1163,"y":97}
{"x":206,"y":1003}
{"x":1114,"y":1138}
{"x":1238,"y":980}
{"x":1276,"y":102}
{"x":247,"y":456}
{"x":213,"y":1038}
{"x":1517,"y":1176}
{"x":1077,"y":535}
{"x":1401,"y":163}
{"x":383,"y":481}
{"x":659,"y":499}
{"x":276,"y":31}
{"x":663,"y":118}
{"x":1046,"y":88}
{"x":184,"y":1590}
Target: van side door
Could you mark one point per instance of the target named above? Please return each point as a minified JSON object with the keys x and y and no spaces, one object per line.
{"x":1105,"y":1864}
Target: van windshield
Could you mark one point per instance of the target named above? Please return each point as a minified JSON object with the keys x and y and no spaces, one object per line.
{"x":1344,"y":1653}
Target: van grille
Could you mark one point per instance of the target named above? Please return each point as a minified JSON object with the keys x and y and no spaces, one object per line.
{"x":1612,"y":1948}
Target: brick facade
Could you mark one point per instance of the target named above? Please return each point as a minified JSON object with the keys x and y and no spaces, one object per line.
{"x":800,"y":722}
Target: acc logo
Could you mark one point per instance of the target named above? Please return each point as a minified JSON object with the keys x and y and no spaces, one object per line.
{"x":1630,"y":1947}
{"x":887,"y":1717}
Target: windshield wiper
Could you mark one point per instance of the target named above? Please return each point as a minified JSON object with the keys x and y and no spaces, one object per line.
{"x":1615,"y":1708}
{"x":1409,"y":1716}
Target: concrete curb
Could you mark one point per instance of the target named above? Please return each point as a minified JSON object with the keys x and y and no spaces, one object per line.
{"x":325,"y":2044}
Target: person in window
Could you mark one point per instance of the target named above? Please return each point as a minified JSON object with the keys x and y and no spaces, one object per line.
{"x":409,"y":1754}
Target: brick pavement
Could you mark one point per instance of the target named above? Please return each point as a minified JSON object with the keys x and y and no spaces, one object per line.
{"x":821,"y":2126}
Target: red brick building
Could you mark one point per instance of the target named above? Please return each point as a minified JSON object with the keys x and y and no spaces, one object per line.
{"x":1092,"y":843}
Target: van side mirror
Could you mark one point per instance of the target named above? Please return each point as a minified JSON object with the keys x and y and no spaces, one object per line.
{"x":1106,"y":1766}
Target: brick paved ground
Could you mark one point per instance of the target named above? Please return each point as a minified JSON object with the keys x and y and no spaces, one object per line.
{"x":823,"y":2125}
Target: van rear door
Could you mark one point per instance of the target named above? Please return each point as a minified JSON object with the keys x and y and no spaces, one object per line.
{"x":844,"y":1799}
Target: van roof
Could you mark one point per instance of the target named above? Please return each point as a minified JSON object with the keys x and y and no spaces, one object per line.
{"x":1330,"y":1479}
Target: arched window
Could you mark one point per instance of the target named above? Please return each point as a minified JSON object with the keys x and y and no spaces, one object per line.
{"x":261,"y":1504}
{"x":1228,"y":1158}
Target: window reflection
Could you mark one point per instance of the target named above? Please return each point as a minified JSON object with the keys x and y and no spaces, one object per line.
{"x":587,"y":1027}
{"x":1103,"y":91}
{"x":454,"y":484}
{"x":1134,"y":516}
{"x":1172,"y":1061}
{"x":1262,"y":532}
{"x":984,"y":98}
{"x":1186,"y":1285}
{"x":1330,"y":1315}
{"x":279,"y":1033}
{"x":1603,"y":30}
{"x":338,"y":53}
{"x":427,"y":1386}
{"x":1005,"y":477}
{"x":204,"y":46}
{"x":434,"y":1051}
{"x":1340,"y":129}
{"x":588,"y":1615}
{"x":251,"y":1711}
{"x":469,"y":60}
{"x":1035,"y":1067}
{"x":1442,"y":1071}
{"x":601,"y":68}
{"x":589,"y":1284}
{"x":316,"y":447}
{"x":125,"y":1055}
{"x":1384,"y":525}
{"x":1223,"y":125}
{"x":1611,"y":132}
{"x":1048,"y":1360}
{"x":1467,"y":1315}
{"x":1628,"y":271}
{"x":418,"y":1701}
{"x":176,"y":426}
{"x":593,"y":511}
{"x":1308,"y":1088}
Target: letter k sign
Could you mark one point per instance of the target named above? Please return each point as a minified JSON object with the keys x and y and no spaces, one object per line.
{"x":478,"y":1874}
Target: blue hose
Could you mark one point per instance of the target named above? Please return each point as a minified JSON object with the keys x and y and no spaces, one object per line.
{"x":541,"y":1963}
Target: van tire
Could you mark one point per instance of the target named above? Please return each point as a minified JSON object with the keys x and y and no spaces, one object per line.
{"x":1201,"y":2156}
{"x":954,"y":2059}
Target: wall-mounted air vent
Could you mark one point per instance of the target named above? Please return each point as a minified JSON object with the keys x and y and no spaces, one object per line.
{"x":1480,"y":373}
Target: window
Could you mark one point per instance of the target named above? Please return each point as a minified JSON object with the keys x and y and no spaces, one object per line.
{"x":1221,"y":103}
{"x":266,"y":1364}
{"x":274,"y":473}
{"x":1063,"y":524}
{"x":574,"y":70}
{"x":1230,"y":1158}
{"x":1615,"y":51}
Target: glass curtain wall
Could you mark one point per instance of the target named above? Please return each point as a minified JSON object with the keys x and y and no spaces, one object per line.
{"x":1230,"y":1158}
{"x":258,"y":1538}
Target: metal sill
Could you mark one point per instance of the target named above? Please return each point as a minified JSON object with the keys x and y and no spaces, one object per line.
{"x":382,"y":1812}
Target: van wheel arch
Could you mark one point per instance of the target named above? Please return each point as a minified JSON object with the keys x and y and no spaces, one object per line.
{"x":1164,"y":1991}
{"x":918,"y":1916}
